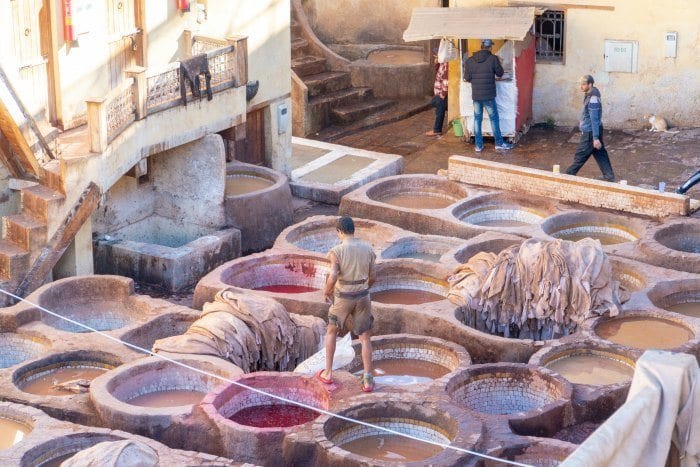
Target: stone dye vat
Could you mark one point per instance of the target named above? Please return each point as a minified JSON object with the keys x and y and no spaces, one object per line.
{"x":152,"y":396}
{"x":429,"y":248}
{"x":630,"y":275}
{"x":404,"y":282}
{"x":682,"y":297}
{"x":531,"y":398}
{"x":252,"y":425}
{"x":161,"y":251}
{"x":648,"y":330}
{"x":295,"y":280}
{"x":318,"y":234}
{"x":410,"y":360}
{"x":54,"y":452}
{"x":344,"y":443}
{"x":104,"y":303}
{"x":63,"y":374}
{"x":168,"y":324}
{"x":675,"y":245}
{"x":258,"y":202}
{"x":503,"y":210}
{"x":417,"y":192}
{"x":589,"y":364}
{"x":487,"y":242}
{"x":18,"y":347}
{"x":607,"y":228}
{"x":17,"y":423}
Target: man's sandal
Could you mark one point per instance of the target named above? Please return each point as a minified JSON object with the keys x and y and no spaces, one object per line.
{"x":367,"y":383}
{"x":319,"y":376}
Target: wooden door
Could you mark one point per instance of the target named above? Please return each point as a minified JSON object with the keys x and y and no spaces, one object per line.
{"x":255,"y":138}
{"x":121,"y":39}
{"x":31,"y":53}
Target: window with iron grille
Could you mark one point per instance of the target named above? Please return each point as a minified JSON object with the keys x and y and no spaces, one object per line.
{"x":549,"y":33}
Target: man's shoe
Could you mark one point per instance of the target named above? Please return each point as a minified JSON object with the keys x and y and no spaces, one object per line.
{"x":505,"y":146}
{"x":478,"y":149}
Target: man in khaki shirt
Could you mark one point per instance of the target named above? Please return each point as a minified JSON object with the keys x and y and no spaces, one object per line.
{"x":347,"y":290}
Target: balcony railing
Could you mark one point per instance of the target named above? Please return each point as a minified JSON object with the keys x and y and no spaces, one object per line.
{"x":148,"y":91}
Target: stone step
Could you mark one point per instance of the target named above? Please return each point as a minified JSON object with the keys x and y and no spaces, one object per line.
{"x":329,"y":81}
{"x":358,"y":110}
{"x":320,"y":107}
{"x":308,"y":65}
{"x":53,"y":176}
{"x":299,"y":47}
{"x":14,"y":261}
{"x":41,"y":202}
{"x":25,"y":231}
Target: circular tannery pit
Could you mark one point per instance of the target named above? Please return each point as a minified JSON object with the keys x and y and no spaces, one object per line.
{"x":399,"y":283}
{"x":633,"y":330}
{"x":500,"y":210}
{"x":607,"y":228}
{"x":682,"y":297}
{"x":417,"y":192}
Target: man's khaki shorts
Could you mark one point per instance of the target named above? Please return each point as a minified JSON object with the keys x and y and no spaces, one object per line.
{"x":359,"y":310}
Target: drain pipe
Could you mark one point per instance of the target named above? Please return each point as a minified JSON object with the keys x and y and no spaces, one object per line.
{"x":694,"y":179}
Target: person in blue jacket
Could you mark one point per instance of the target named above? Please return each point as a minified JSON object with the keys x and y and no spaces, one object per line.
{"x":591,"y":126}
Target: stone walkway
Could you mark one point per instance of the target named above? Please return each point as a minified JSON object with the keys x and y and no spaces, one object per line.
{"x":640,"y":157}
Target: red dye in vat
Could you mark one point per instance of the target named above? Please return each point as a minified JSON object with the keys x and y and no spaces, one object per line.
{"x":287,"y":288}
{"x":273,"y":416}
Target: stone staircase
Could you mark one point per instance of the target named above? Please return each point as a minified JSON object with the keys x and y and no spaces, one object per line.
{"x":25,"y":234}
{"x":332,"y":100}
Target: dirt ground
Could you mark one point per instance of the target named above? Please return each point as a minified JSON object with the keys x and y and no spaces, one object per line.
{"x":638,"y":156}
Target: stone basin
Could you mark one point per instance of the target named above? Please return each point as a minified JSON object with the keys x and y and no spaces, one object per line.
{"x":52,"y":453}
{"x":540,"y":452}
{"x":409,"y":360}
{"x":682,"y":297}
{"x":253,"y":425}
{"x":609,"y":229}
{"x":16,"y":423}
{"x":40,"y":376}
{"x":404,"y":282}
{"x":417,"y":192}
{"x":345,"y":443}
{"x":682,"y":237}
{"x":531,"y":398}
{"x":592,"y":365}
{"x":427,"y":248}
{"x":502,"y":210}
{"x":632,"y":330}
{"x":103,"y":303}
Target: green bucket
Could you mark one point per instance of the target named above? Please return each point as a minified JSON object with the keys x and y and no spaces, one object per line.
{"x":457,"y":127}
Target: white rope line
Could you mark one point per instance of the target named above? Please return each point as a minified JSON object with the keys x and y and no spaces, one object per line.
{"x":259,"y":391}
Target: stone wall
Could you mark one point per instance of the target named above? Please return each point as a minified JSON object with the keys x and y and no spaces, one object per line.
{"x":566,"y":187}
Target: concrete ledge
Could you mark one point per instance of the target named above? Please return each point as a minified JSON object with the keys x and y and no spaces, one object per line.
{"x":567,"y":187}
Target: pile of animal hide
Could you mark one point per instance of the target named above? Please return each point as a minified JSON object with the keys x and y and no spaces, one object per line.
{"x":255,"y":333}
{"x":124,"y":453}
{"x":538,"y":290}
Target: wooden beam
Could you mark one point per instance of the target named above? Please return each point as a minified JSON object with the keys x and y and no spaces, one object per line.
{"x":565,"y":5}
{"x":52,"y":67}
{"x":54,"y":249}
{"x":18,"y":143}
{"x":140,"y":23}
{"x":9,"y":160}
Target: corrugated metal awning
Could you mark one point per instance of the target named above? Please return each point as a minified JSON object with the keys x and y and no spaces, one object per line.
{"x":510,"y":23}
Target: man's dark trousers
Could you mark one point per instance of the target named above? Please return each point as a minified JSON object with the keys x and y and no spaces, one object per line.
{"x":584,"y":151}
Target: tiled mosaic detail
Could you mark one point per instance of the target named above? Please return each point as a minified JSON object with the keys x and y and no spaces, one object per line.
{"x":419,"y":248}
{"x":505,"y":393}
{"x":29,"y":376}
{"x":245,"y":399}
{"x":489,"y":214}
{"x":102,"y":315}
{"x":15,"y":348}
{"x":286,"y":271}
{"x":417,"y":428}
{"x":389,"y":282}
{"x":321,"y":238}
{"x":628,"y":279}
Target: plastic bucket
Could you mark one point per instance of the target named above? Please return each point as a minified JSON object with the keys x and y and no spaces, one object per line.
{"x":457,"y":127}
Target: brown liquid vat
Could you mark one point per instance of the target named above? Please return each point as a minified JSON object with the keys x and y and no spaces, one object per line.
{"x":417,"y":192}
{"x":408,"y":283}
{"x":633,"y":330}
{"x":682,"y":297}
{"x":341,"y":441}
{"x":39,"y":376}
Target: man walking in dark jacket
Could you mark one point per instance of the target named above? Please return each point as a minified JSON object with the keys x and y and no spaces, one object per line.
{"x":481,"y":70}
{"x":591,"y":126}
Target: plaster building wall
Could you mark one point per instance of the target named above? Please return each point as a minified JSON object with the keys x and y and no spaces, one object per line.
{"x":666,"y":86}
{"x":362,"y":21}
